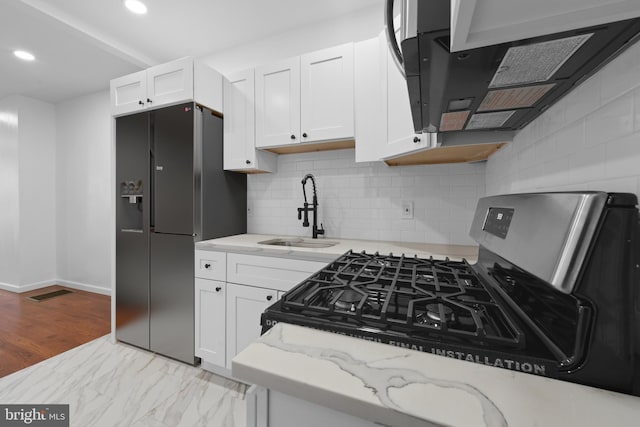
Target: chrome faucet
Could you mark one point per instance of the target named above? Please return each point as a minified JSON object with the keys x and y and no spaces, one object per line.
{"x":313,"y":209}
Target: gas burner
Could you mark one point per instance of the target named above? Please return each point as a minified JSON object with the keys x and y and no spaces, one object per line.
{"x":348,"y":300}
{"x":433,"y":312}
{"x":380,"y":263}
{"x":425,"y":276}
{"x":375,"y":266}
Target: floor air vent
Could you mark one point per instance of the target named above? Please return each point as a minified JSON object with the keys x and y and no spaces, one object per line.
{"x":48,"y":295}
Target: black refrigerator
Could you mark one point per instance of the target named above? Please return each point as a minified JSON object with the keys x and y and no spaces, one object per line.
{"x":172,"y":192}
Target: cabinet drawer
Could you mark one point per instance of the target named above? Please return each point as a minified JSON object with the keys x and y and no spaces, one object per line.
{"x":211,"y":265}
{"x":268,"y":272}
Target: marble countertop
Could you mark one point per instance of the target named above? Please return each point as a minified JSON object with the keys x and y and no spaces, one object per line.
{"x":400,"y":387}
{"x":248,"y":243}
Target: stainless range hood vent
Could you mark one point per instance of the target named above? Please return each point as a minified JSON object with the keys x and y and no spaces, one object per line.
{"x":489,"y":120}
{"x":536,"y":62}
{"x":496,"y":89}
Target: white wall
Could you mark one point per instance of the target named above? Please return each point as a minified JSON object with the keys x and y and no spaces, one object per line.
{"x":9,"y":196}
{"x":27,"y":187}
{"x":84,"y":187}
{"x":37,"y":192}
{"x":589,"y":140}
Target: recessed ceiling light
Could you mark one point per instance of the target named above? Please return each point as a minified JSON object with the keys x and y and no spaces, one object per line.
{"x":24,"y":55}
{"x":136,"y":6}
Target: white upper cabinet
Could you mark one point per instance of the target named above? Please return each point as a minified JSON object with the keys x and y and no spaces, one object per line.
{"x":370,"y":71}
{"x":306,"y":99}
{"x":327,"y":94}
{"x":170,"y":83}
{"x":167,"y":84}
{"x":477,"y":23}
{"x":384,"y":127}
{"x":278,"y":103}
{"x":129,"y":93}
{"x":401,"y":136}
{"x":240,"y":152}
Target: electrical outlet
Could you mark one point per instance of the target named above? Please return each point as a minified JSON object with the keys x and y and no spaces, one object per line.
{"x":249,"y":210}
{"x":407,"y":209}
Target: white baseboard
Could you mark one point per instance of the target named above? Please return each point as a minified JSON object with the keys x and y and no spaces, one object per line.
{"x":26,"y":288}
{"x":69,"y":284}
{"x":84,"y":287}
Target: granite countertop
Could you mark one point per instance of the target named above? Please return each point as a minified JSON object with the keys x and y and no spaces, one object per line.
{"x":248,"y":243}
{"x":400,"y":387}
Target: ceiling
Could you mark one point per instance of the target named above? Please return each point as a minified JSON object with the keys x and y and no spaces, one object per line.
{"x":80,"y":45}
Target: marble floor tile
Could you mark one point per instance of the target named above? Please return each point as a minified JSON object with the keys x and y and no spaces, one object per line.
{"x":109,"y":384}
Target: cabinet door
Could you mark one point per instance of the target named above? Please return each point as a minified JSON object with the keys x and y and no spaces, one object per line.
{"x":326,"y":78}
{"x":370,"y":71}
{"x":239,"y":122}
{"x":401,"y":137}
{"x":128,"y":93}
{"x":245,"y":304}
{"x":278,"y":104}
{"x":170,"y":83}
{"x":210,"y":326}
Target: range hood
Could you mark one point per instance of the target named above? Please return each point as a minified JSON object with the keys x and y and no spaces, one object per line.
{"x":487,"y":94}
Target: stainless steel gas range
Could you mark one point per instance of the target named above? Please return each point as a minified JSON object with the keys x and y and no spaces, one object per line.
{"x":555,"y":292}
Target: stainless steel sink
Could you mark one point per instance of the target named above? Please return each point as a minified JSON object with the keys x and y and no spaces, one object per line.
{"x":299,"y":242}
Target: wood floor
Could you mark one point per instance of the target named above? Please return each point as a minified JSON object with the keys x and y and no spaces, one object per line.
{"x":31,"y":332}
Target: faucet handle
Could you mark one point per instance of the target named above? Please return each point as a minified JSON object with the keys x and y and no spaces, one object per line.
{"x":300,"y":213}
{"x":321,"y":229}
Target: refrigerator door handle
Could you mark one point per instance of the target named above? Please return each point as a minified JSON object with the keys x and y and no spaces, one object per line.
{"x":198,"y":133}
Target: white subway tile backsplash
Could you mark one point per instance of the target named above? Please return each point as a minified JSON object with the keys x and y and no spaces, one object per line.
{"x":552,"y":120}
{"x":623,"y":156}
{"x":621,"y":75}
{"x":364,"y":202}
{"x":627,"y":185}
{"x":570,"y":139}
{"x":597,"y":146}
{"x":587,"y":165}
{"x":636,"y":110}
{"x":584,"y":100}
{"x":545,"y":149}
{"x":613,"y":120}
{"x":401,"y":181}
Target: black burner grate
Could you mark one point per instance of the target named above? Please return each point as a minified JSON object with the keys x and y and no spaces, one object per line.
{"x":415,"y":296}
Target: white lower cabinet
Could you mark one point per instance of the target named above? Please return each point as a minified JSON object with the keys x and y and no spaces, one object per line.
{"x":245,"y":304}
{"x":288,"y":411}
{"x":231,"y":292}
{"x":210,"y":322}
